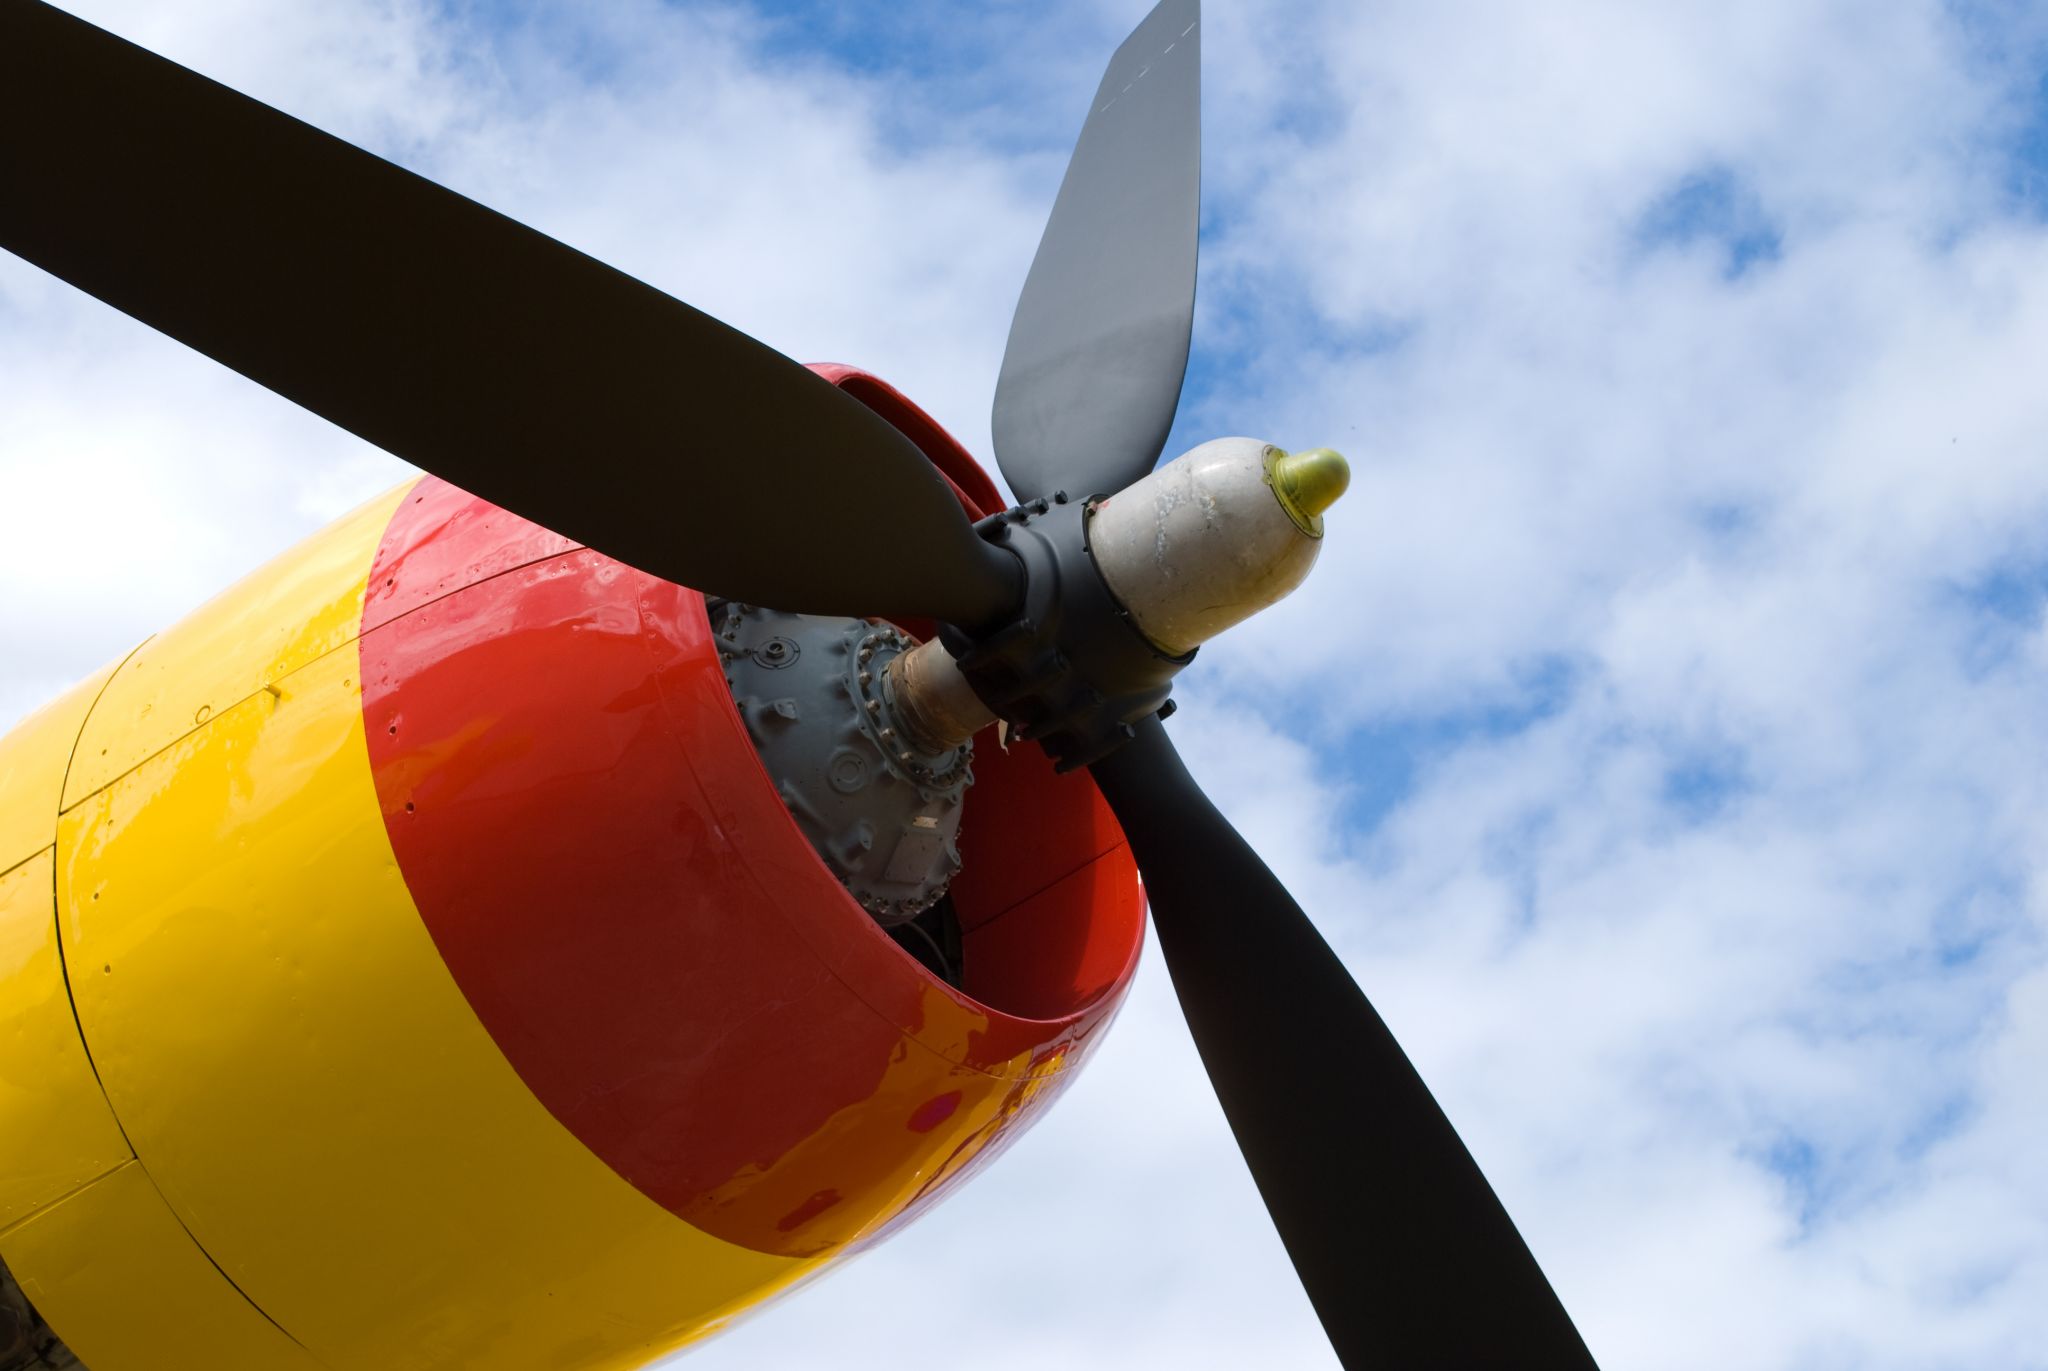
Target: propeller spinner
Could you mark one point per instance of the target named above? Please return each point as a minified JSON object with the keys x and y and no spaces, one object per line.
{"x":497,"y":358}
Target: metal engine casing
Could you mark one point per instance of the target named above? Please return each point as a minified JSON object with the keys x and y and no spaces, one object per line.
{"x":814,"y":694}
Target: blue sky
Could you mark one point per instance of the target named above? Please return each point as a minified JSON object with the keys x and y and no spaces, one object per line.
{"x":1661,"y":737}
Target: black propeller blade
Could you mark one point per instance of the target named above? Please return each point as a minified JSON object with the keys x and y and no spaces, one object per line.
{"x":1406,"y":1253}
{"x":513,"y":366}
{"x":1099,"y":343}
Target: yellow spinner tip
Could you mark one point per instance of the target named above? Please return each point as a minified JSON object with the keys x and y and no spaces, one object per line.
{"x":1310,"y":482}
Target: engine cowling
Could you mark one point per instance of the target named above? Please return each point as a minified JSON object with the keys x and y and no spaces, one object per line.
{"x":464,"y":992}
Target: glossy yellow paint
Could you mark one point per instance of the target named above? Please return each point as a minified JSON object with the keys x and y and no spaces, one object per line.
{"x":311,"y":1091}
{"x":56,"y":1132}
{"x":304,"y":604}
{"x":33,"y":757}
{"x":124,"y":1285}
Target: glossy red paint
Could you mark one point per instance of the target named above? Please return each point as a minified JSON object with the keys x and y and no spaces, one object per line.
{"x":446,"y":539}
{"x":637,"y":921}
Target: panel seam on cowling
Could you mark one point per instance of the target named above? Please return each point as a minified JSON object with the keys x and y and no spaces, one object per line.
{"x":265,"y":688}
{"x":136,"y":1162}
{"x":453,"y":591}
{"x":64,"y":970}
{"x":78,"y":1189}
{"x":200,"y":1247}
{"x":1022,"y":900}
{"x":57,"y":901}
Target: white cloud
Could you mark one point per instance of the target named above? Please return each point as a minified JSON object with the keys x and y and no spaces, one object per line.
{"x":1703,"y":609}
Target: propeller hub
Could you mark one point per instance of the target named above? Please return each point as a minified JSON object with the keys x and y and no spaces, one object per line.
{"x":1119,"y":593}
{"x":1071,"y":670}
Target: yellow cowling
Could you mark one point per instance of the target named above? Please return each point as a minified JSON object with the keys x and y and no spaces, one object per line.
{"x":323,"y":1135}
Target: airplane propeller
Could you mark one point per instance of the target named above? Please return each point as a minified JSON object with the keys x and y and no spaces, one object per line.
{"x":445,"y":333}
{"x":563,"y":390}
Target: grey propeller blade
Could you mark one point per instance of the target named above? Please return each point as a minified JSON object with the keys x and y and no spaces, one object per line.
{"x":1099,"y":344}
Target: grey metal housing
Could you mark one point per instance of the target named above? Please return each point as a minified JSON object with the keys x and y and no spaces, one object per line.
{"x":879,"y":809}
